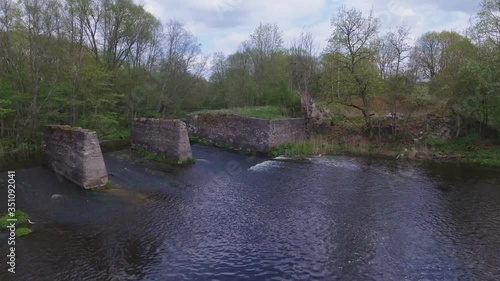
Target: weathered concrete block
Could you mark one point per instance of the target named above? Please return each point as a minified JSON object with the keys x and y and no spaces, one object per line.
{"x":168,"y":138}
{"x":242,"y":132}
{"x":75,"y":153}
{"x":286,"y":131}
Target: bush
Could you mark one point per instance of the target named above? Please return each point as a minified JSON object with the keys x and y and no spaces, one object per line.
{"x":218,"y":102}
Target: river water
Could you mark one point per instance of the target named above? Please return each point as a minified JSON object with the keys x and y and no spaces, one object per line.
{"x":236,"y":217}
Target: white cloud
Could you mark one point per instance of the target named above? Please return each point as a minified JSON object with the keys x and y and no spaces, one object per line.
{"x":221,"y":25}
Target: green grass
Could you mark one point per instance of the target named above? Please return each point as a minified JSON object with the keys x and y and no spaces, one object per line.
{"x":322,"y":145}
{"x":486,"y":158}
{"x":471,"y":149}
{"x":263,"y":112}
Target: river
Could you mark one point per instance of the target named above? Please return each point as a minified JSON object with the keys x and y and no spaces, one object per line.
{"x":236,"y":217}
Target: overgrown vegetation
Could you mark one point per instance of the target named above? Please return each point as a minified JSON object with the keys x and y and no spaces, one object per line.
{"x":99,"y":64}
{"x":330,"y":145}
{"x":468,"y":149}
{"x":21,"y":221}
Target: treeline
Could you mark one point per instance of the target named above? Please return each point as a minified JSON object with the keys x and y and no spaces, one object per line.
{"x":98,"y":64}
{"x":456,"y":74}
{"x":91,"y":63}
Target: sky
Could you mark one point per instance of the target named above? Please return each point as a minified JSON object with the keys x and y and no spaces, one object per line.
{"x":221,"y":25}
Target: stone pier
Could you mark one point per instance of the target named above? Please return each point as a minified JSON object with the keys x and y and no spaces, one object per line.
{"x":75,"y":153}
{"x":167,"y":138}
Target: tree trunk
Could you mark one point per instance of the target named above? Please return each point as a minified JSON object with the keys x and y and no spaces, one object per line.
{"x":458,"y":126}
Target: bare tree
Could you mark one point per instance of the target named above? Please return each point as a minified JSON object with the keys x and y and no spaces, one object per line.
{"x":182,"y":62}
{"x":219,"y":68}
{"x":303,"y":62}
{"x":303,"y":66}
{"x":394,"y":50}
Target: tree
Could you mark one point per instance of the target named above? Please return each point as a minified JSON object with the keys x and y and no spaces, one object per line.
{"x":488,"y":25}
{"x":182,"y":64}
{"x":303,"y":74}
{"x":440,"y":51}
{"x":265,"y":49}
{"x":393,"y":52}
{"x":241,"y":88}
{"x":303,"y":63}
{"x":352,"y":40}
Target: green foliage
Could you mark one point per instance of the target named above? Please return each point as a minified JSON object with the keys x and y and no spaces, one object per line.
{"x":281,"y":97}
{"x":470,"y":148}
{"x":218,"y":102}
{"x":488,"y":157}
{"x":465,"y":143}
{"x":19,"y":216}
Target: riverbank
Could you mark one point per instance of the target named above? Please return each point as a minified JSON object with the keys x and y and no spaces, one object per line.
{"x":427,"y":137}
{"x":468,"y":149}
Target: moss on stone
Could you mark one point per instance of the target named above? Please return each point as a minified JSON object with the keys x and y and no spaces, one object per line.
{"x":109,"y":185}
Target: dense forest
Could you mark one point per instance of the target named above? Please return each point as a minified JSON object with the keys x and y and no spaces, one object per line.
{"x":99,"y":64}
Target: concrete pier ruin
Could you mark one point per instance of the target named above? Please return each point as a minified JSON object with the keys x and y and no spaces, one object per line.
{"x":167,"y":138}
{"x":241,"y":132}
{"x":75,"y":153}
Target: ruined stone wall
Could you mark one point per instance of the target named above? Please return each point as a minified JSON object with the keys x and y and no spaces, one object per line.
{"x":241,"y":132}
{"x":75,"y":153}
{"x":286,"y":131}
{"x":168,"y":138}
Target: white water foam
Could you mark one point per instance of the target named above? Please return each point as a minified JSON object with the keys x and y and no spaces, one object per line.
{"x":337,"y":163}
{"x":266,"y":166}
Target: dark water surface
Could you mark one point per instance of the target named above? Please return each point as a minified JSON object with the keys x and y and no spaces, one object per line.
{"x":231,"y":217}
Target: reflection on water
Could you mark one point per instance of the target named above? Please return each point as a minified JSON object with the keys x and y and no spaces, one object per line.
{"x":328,"y":218}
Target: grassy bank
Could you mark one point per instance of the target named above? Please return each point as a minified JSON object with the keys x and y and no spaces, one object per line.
{"x":468,"y":149}
{"x":264,"y":112}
